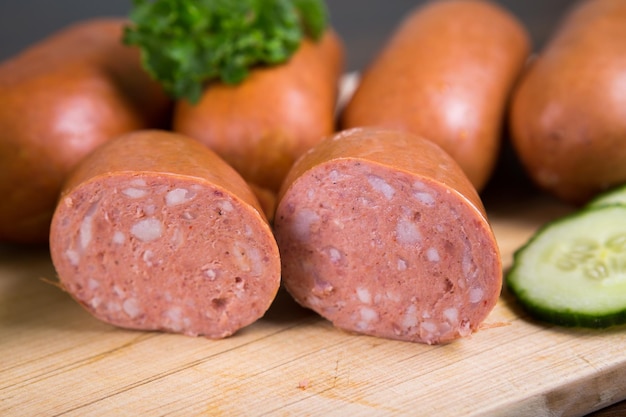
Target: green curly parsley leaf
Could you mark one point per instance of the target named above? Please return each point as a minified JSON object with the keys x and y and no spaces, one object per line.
{"x":185,"y":44}
{"x":314,"y":17}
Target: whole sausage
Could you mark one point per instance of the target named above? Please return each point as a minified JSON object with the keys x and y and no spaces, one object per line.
{"x":263,"y":124}
{"x":446,"y":75}
{"x":382,"y":233}
{"x":568,"y":115}
{"x":154,"y":231}
{"x":59,"y":99}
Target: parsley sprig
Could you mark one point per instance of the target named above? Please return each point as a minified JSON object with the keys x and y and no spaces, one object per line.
{"x":187,"y":43}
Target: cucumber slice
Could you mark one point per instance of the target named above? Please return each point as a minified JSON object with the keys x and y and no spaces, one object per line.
{"x":615,"y":195}
{"x":572,"y":272}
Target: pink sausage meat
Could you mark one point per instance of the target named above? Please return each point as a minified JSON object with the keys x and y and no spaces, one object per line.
{"x":381,"y":233}
{"x":155,"y":232}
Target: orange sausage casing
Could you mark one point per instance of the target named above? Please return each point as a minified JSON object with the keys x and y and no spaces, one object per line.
{"x":568,"y":114}
{"x":446,"y":75}
{"x":263,"y":124}
{"x":382,"y":233}
{"x":60,"y":99}
{"x":154,"y":231}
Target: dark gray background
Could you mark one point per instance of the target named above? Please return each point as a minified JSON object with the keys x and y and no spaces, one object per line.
{"x":364,"y":25}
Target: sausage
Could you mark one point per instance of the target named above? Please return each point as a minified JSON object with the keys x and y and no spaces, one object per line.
{"x":568,"y":115}
{"x":446,"y":75}
{"x":59,"y":99}
{"x":154,"y":231}
{"x":267,"y":199}
{"x":382,"y":233}
{"x":263,"y":124}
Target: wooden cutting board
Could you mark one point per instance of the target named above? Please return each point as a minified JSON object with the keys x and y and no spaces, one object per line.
{"x":55,"y":359}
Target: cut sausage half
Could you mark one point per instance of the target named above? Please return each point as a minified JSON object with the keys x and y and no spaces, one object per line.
{"x":155,"y":232}
{"x":381,"y":233}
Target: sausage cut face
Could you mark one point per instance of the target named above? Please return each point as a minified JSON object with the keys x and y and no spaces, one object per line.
{"x":155,"y":251}
{"x":385,"y":252}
